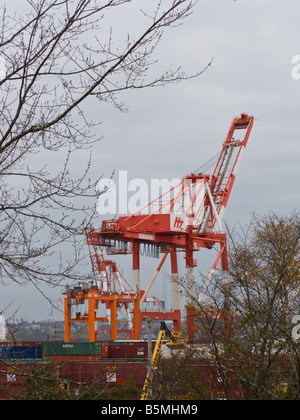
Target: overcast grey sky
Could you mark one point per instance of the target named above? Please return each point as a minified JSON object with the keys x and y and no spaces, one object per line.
{"x":169,"y":132}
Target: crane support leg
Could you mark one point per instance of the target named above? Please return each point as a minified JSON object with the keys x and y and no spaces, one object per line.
{"x":190,"y":277}
{"x":92,"y":319}
{"x":175,"y":286}
{"x":136,"y":267}
{"x":226,"y":312}
{"x":67,"y":320}
{"x":226,"y":283}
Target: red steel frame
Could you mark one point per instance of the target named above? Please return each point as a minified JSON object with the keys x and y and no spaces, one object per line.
{"x":187,"y":222}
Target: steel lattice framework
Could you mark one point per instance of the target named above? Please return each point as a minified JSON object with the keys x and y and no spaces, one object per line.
{"x":186,"y":218}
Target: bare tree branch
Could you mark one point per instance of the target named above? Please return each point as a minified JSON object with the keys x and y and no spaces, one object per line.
{"x":57,"y":56}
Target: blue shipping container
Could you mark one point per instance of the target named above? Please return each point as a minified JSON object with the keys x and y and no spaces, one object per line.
{"x":20,"y":352}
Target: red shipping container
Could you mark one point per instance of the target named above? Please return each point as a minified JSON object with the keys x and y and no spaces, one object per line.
{"x":129,"y":349}
{"x":105,"y":349}
{"x":62,"y":359}
{"x":13,"y":377}
{"x":103,"y":373}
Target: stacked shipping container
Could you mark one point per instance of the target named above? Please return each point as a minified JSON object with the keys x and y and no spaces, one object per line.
{"x":104,"y":364}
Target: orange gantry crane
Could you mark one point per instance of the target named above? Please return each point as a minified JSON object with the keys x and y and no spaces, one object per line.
{"x":186,"y":218}
{"x":110,"y":289}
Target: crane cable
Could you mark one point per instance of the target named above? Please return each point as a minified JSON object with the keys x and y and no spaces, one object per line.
{"x":209,"y":164}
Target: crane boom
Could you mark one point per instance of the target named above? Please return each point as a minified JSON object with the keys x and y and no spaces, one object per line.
{"x":226,"y":169}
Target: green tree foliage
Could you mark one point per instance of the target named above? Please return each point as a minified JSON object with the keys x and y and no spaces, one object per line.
{"x":43,"y":384}
{"x":176,"y":378}
{"x":265,"y":273}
